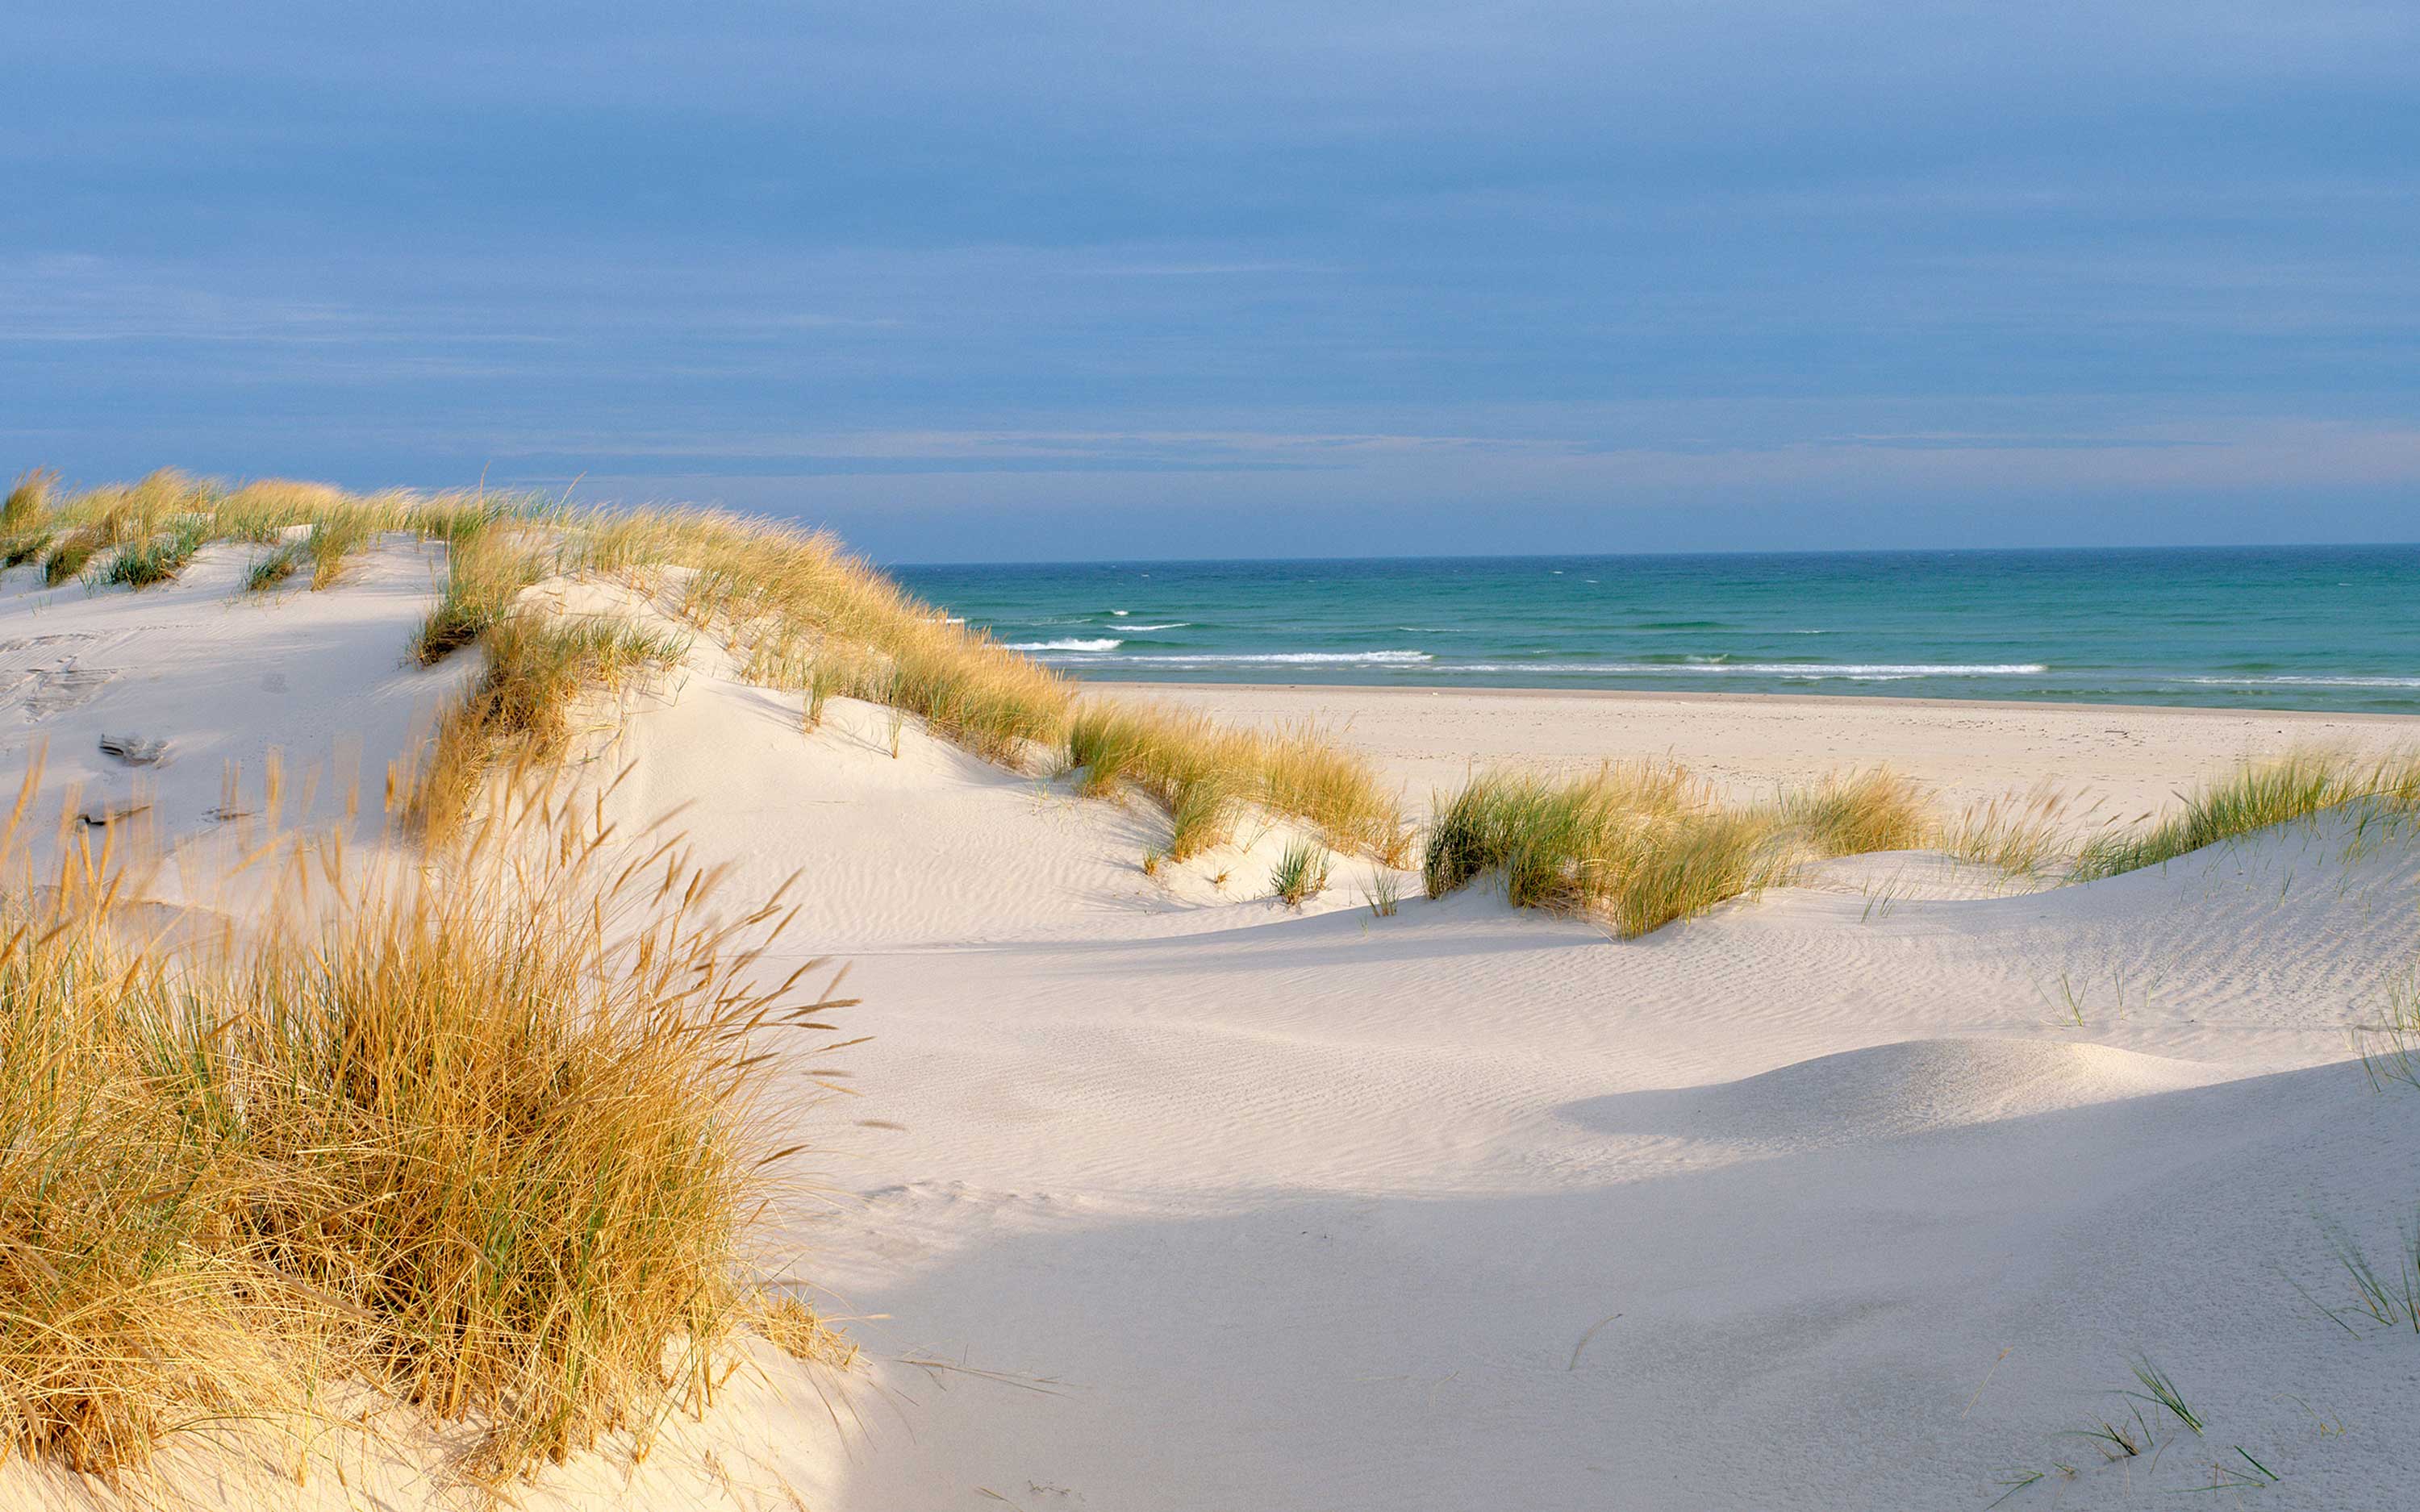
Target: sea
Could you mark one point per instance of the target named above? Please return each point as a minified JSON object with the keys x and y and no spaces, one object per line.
{"x":2332,"y":628}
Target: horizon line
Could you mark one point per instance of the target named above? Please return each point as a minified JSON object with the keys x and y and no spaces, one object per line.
{"x":1602,"y":556}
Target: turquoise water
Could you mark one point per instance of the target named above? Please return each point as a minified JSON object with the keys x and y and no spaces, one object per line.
{"x":2304,"y":628}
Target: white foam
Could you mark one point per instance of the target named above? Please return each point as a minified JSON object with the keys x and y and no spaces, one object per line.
{"x":1104,"y":643}
{"x":1274,"y":658}
{"x":1855,"y":672}
{"x":2301,"y":680}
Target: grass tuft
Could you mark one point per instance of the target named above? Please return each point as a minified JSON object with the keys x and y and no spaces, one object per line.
{"x":157,"y":560}
{"x":67,"y":557}
{"x":272,"y":570}
{"x":488,"y":567}
{"x":1205,"y":775}
{"x":2160,"y":1390}
{"x":2255,"y":797}
{"x":484,"y":1133}
{"x":2021,"y":837}
{"x":28,"y":504}
{"x":1637,"y":845}
{"x":1860,"y":813}
{"x":1385,"y":893}
{"x":1301,"y":872}
{"x":520,"y":712}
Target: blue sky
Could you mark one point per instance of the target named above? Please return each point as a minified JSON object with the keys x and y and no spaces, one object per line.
{"x":1004,"y":280}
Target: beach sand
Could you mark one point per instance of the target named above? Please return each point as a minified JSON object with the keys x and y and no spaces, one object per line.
{"x":1156,"y":1194}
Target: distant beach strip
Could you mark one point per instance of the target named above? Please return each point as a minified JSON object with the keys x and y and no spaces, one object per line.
{"x":2301,"y":627}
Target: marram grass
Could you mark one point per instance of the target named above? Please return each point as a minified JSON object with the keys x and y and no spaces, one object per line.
{"x":798,"y":610}
{"x":2255,"y":796}
{"x":1641,"y":845}
{"x":486,"y":1136}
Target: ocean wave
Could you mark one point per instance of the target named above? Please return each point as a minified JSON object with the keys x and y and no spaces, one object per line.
{"x":1104,"y":643}
{"x":1173,"y":624}
{"x":1273,"y":658}
{"x":2303,"y":680}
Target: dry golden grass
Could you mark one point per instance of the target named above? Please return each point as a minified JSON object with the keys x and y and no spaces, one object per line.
{"x":798,"y":1331}
{"x":519,"y":711}
{"x":488,"y":565}
{"x":1643,"y":844}
{"x":485,"y":1135}
{"x":1860,"y":813}
{"x":129,"y":1306}
{"x":2024,"y":837}
{"x":799,"y":611}
{"x":1204,"y":773}
{"x":1637,"y":845}
{"x":29,"y":499}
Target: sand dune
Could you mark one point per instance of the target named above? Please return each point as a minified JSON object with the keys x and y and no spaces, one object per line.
{"x":1198,"y":1202}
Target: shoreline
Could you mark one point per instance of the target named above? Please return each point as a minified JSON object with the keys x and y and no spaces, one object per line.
{"x":1706,"y":696}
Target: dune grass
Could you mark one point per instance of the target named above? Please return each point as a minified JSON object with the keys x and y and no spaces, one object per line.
{"x":519,"y":711}
{"x":66,"y":558}
{"x":1861,"y":813}
{"x":1300,"y":874}
{"x":2021,"y":837}
{"x":488,"y":565}
{"x":1204,"y":773}
{"x":274,"y":569}
{"x":2255,"y":796}
{"x":28,"y":503}
{"x":800,"y":612}
{"x":157,"y":560}
{"x":485,"y":1135}
{"x":1640,"y":846}
{"x":26,"y":527}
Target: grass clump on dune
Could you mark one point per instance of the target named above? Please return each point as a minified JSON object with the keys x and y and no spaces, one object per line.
{"x":1301,"y":874}
{"x":25,"y":518}
{"x":272,"y":570}
{"x":1637,"y":846}
{"x":1192,"y":767}
{"x":2257,"y":795}
{"x":485,"y":1138}
{"x":67,"y":558}
{"x":1641,"y":845}
{"x":1860,"y":813}
{"x":28,"y":503}
{"x":523,"y":1101}
{"x":1203,"y":773}
{"x":129,"y":1305}
{"x":518,"y":713}
{"x":2020,"y":837}
{"x":487,"y":567}
{"x":157,"y":560}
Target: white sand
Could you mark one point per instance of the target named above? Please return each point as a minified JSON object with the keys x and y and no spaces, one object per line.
{"x":1859,"y":1194}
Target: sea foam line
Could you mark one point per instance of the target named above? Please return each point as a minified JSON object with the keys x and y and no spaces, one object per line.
{"x":2306,"y":680}
{"x":1377,"y":658}
{"x":1104,"y":643}
{"x":1863,"y":671}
